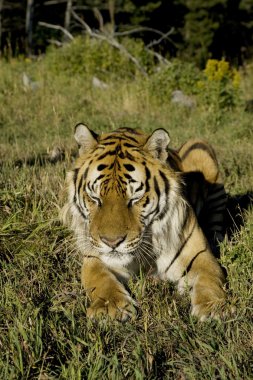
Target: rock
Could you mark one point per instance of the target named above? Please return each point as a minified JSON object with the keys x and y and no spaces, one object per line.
{"x":178,"y":97}
{"x":99,"y":83}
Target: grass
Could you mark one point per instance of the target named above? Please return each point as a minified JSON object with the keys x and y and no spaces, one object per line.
{"x":44,"y":330}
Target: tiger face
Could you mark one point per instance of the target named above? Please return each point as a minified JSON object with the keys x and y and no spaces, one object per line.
{"x":115,"y":193}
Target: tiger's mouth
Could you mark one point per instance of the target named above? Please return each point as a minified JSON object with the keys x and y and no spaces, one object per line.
{"x":116,"y":258}
{"x":118,"y":252}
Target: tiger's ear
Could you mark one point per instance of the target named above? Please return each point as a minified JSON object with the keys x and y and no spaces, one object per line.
{"x":157,"y":144}
{"x":85,"y":138}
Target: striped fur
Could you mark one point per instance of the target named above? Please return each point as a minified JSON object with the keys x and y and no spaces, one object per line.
{"x":128,"y":210}
{"x":204,"y":188}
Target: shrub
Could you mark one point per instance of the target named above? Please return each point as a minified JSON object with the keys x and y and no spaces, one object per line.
{"x":220,"y":84}
{"x":88,"y":57}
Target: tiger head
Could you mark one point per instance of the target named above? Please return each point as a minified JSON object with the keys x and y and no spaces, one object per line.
{"x":120,"y":188}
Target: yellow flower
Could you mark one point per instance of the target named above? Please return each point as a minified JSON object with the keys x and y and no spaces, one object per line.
{"x":210,"y":69}
{"x":236,"y":78}
{"x":222,"y":70}
{"x":216,"y":70}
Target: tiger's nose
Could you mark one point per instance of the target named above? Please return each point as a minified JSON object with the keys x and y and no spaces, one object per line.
{"x":112,"y":242}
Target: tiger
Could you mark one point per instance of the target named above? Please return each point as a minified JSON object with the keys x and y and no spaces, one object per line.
{"x":129,"y":212}
{"x":205,"y":190}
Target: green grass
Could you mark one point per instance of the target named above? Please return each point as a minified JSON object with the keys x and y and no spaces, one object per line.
{"x":44,"y":333}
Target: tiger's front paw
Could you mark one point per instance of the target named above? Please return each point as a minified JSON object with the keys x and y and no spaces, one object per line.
{"x":119,"y":306}
{"x":212,"y":309}
{"x":209,"y":305}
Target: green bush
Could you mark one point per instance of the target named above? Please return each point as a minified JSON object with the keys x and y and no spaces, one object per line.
{"x":88,"y":57}
{"x":177,"y":75}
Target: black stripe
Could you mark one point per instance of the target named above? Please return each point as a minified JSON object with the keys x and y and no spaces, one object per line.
{"x":129,"y":167}
{"x":148,"y":175}
{"x":164,"y":212}
{"x":109,"y":138}
{"x":219,"y":209}
{"x":128,"y":145}
{"x":214,"y":199}
{"x":146,"y":202}
{"x":109,"y":143}
{"x":217,"y":186}
{"x":74,"y":180}
{"x":98,"y":178}
{"x":85,"y":173}
{"x":131,"y":138}
{"x":199,"y":146}
{"x":80,"y":210}
{"x":89,"y":186}
{"x":108,"y":153}
{"x":129,"y":177}
{"x":216,"y":195}
{"x":182,"y":247}
{"x":130,"y":130}
{"x":188,"y":209}
{"x":120,"y":179}
{"x":151,"y":212}
{"x":80,"y":185}
{"x":75,"y":174}
{"x":101,"y":167}
{"x":121,"y":154}
{"x":157,"y":190}
{"x":220,"y":202}
{"x":93,"y":257}
{"x":129,"y":156}
{"x":188,"y":268}
{"x":140,"y":187}
{"x":166,"y":182}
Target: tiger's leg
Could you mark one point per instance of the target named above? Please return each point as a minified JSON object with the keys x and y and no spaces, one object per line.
{"x":107,"y":294}
{"x":207,"y":295}
{"x":203,"y":274}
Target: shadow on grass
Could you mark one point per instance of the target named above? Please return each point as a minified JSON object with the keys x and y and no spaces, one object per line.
{"x":237,"y":205}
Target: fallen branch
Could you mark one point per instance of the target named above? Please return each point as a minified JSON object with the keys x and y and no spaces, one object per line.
{"x":57,"y":27}
{"x":163,"y":37}
{"x":159,"y":57}
{"x":143,"y":29}
{"x":110,"y":40}
{"x":55,"y":42}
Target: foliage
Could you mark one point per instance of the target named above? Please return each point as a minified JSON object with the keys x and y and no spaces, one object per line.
{"x":199,"y":30}
{"x":176,"y":75}
{"x":201,"y":22}
{"x":88,"y":56}
{"x":216,"y":86}
{"x":217,"y":28}
{"x":221,"y":84}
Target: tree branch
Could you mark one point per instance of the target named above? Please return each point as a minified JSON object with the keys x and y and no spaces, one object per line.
{"x":163,"y":37}
{"x":142,"y":29}
{"x":110,"y":40}
{"x":56,"y":27}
